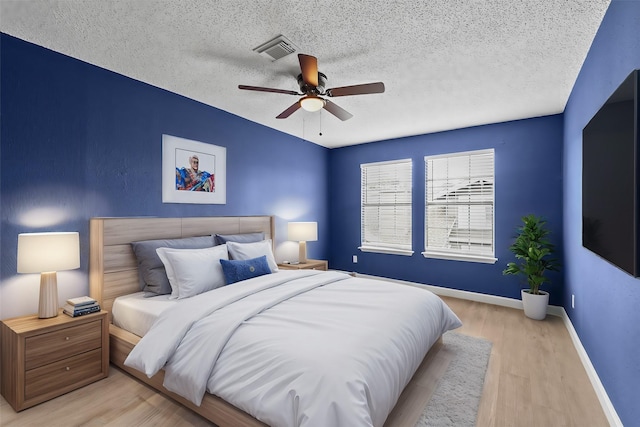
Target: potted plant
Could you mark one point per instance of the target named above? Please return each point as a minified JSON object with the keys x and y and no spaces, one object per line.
{"x":534,"y":254}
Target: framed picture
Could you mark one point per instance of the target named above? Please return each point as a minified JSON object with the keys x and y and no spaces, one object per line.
{"x":193,"y":171}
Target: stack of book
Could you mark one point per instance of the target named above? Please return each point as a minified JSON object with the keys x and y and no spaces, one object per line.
{"x":81,"y":305}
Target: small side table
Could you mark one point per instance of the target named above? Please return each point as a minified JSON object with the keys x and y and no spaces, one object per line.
{"x":45,"y":358}
{"x":311,"y":264}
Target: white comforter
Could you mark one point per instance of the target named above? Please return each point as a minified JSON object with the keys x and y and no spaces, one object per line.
{"x":297,"y":348}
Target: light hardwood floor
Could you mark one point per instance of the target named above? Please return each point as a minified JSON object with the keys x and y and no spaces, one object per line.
{"x":534,"y":378}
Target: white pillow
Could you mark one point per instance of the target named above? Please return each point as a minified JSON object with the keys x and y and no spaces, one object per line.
{"x":245,"y":251}
{"x":193,"y":271}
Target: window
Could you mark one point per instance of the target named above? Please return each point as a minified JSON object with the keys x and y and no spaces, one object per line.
{"x":386,"y":207}
{"x":459,"y":201}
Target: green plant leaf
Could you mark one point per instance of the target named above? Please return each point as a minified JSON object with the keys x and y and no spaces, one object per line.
{"x":533,"y":251}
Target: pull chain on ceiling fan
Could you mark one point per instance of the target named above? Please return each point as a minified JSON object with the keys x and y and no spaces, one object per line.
{"x":312,"y":89}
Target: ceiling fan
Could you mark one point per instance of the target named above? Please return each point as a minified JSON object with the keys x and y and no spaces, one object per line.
{"x":313,"y":92}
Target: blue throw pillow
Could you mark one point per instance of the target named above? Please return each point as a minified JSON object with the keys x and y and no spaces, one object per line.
{"x":237,"y":270}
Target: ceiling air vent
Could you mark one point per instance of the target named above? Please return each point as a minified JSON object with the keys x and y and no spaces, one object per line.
{"x":276,"y":48}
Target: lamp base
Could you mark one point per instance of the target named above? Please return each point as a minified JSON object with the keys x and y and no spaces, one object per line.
{"x":48,"y":305}
{"x":302,"y":255}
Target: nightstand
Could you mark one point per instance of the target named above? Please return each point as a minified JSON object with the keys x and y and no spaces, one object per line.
{"x":311,"y":264}
{"x":45,"y":358}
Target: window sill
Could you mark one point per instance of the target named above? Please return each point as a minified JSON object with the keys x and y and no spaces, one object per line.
{"x":389,"y":251}
{"x":460,"y":257}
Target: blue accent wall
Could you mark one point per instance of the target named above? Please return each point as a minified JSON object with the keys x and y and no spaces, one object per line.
{"x":79,"y":141}
{"x":607,"y":309}
{"x":528,"y":179}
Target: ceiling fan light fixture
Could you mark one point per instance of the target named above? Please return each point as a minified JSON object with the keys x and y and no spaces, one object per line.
{"x":312,"y":89}
{"x":312,"y":103}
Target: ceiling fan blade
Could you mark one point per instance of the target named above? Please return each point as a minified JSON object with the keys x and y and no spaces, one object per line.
{"x":309,"y":67}
{"x":268,"y":89}
{"x":362,"y":89}
{"x":339,"y":112}
{"x":289,"y":111}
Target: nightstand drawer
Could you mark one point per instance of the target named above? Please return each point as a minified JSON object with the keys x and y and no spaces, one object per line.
{"x":49,"y":347}
{"x":59,"y":375}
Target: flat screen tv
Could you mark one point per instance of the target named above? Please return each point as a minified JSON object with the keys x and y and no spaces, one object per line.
{"x":610,"y":214}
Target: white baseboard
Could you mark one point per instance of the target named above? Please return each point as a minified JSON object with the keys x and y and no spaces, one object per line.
{"x":605,"y":402}
{"x":603,"y":397}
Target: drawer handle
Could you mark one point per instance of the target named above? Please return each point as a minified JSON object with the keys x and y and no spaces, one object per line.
{"x":66,"y":338}
{"x":67,"y":368}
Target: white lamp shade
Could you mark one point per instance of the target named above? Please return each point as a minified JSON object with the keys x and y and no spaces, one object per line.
{"x":312,"y":103}
{"x":303,"y":231}
{"x":43,"y":252}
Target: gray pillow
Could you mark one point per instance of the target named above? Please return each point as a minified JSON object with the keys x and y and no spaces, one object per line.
{"x":221,"y":239}
{"x":153,"y":277}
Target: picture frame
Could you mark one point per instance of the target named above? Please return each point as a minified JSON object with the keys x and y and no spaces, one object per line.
{"x":193,"y":171}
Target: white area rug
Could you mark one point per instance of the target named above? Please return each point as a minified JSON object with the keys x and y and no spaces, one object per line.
{"x":457,"y":397}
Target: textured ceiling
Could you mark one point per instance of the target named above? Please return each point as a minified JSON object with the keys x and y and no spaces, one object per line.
{"x":446,"y":64}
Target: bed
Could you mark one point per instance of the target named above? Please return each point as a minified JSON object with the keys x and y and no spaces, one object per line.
{"x":114,"y":273}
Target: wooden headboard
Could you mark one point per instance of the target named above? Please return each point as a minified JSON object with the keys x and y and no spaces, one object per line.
{"x":113,"y":270}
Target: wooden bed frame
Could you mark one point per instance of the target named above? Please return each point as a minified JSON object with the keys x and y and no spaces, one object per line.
{"x":113,"y":273}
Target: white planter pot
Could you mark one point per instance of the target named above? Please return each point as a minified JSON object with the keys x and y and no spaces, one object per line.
{"x":535,"y":306}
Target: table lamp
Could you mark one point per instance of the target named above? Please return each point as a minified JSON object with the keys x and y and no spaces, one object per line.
{"x":47,"y":253}
{"x":303,"y":232}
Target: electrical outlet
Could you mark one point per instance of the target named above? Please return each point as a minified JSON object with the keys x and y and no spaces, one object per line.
{"x":355,"y":259}
{"x":573,"y":301}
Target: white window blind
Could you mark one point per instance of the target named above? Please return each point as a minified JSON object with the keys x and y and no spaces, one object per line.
{"x":459,"y":220}
{"x":386,"y":207}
